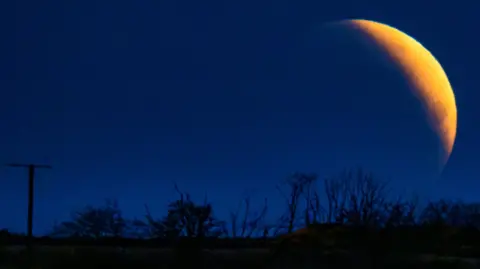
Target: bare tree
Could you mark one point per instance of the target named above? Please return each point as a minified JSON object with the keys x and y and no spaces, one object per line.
{"x":297,"y":184}
{"x":316,"y":209}
{"x":234,"y":217}
{"x":366,"y":198}
{"x":336,"y":191}
{"x":184,"y":219}
{"x":154,"y":227}
{"x":250,"y":222}
{"x":311,"y":197}
{"x":191,"y":220}
{"x":451,"y":213}
{"x":442,"y":213}
{"x":355,"y":197}
{"x":402,"y":212}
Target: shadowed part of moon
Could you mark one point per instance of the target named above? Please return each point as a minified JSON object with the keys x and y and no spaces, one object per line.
{"x":423,"y":73}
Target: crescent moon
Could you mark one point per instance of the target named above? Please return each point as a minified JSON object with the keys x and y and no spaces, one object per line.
{"x":423,"y":73}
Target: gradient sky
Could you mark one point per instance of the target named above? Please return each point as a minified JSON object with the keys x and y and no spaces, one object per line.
{"x":123,"y":98}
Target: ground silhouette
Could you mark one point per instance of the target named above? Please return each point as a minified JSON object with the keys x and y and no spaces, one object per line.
{"x":354,"y":221}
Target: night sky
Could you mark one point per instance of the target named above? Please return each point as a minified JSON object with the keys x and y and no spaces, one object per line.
{"x":124,"y":98}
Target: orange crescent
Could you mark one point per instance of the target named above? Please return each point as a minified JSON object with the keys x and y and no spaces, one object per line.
{"x":424,"y":74}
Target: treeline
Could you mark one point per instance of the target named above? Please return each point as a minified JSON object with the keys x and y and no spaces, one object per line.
{"x":351,"y":200}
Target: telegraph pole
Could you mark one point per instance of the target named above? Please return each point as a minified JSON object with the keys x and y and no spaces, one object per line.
{"x":31,"y":181}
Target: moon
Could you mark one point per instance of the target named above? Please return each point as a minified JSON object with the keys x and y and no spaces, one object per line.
{"x":423,"y":73}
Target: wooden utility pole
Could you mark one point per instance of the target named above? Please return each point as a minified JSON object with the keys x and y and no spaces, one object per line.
{"x":31,"y":181}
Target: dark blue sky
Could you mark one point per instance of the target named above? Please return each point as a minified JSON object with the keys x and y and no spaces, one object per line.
{"x":124,"y":98}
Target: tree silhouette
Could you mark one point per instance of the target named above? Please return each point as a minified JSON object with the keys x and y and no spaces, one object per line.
{"x":94,"y":222}
{"x":354,"y":214}
{"x":186,"y":219}
{"x":298,"y":185}
{"x":402,"y":212}
{"x":355,"y":197}
{"x":250,"y":222}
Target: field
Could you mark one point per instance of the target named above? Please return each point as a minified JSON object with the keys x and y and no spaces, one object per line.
{"x":73,"y":257}
{"x":98,"y":257}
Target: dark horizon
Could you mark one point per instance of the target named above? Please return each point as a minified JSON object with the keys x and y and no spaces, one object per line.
{"x":123,"y":99}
